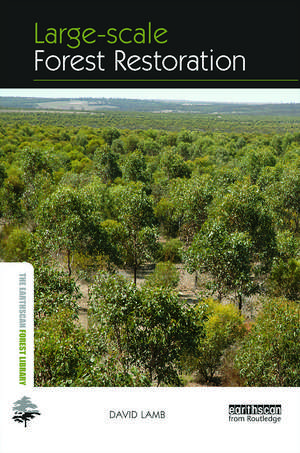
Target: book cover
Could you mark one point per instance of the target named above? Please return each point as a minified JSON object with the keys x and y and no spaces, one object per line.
{"x":149,"y":227}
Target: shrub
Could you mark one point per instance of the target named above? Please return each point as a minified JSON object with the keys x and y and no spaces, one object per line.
{"x":269,"y":355}
{"x":166,"y":216}
{"x":107,"y":373}
{"x":54,"y":291}
{"x":165,"y":275}
{"x":17,"y":246}
{"x":284,"y":279}
{"x":86,"y":265}
{"x":60,"y":350}
{"x":223,"y":326}
{"x":171,"y":251}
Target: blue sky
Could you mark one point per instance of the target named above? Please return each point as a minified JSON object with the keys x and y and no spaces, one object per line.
{"x":204,"y":95}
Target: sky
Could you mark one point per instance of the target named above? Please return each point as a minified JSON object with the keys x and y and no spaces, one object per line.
{"x":251,"y":95}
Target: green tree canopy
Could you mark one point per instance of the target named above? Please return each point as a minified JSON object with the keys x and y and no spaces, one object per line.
{"x":174,"y":165}
{"x":135,"y":167}
{"x":61,"y":350}
{"x":53,"y":291}
{"x":245,"y":210}
{"x":269,"y":355}
{"x":68,"y":223}
{"x":106,"y":164}
{"x":223,"y":327}
{"x":226,"y":256}
{"x":137,"y":216}
{"x":150,"y":328}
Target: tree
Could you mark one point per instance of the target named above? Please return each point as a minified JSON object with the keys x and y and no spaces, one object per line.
{"x":106,"y":164}
{"x":11,"y":194}
{"x":166,"y":329}
{"x":288,"y":197}
{"x":131,"y":142}
{"x":149,"y":147}
{"x":137,"y":216}
{"x":81,"y":139}
{"x":148,"y":328}
{"x":255,"y":160}
{"x":165,"y":214}
{"x":3,"y":174}
{"x":69,"y":223}
{"x":117,"y":146}
{"x":135,"y":167}
{"x":284,"y":279}
{"x":110,"y":134}
{"x":173,"y":164}
{"x":17,"y":246}
{"x":185,"y":136}
{"x":223,"y":326}
{"x":114,"y":304}
{"x":105,"y":371}
{"x":284,"y":276}
{"x":244,"y":209}
{"x":34,"y":161}
{"x":24,"y":410}
{"x":53,"y":290}
{"x":100,"y":196}
{"x":191,"y":199}
{"x":269,"y":354}
{"x":61,"y":350}
{"x":116,"y":235}
{"x":226,"y":256}
{"x":38,"y":186}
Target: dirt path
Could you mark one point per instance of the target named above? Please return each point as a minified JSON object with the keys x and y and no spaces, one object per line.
{"x":186,"y":289}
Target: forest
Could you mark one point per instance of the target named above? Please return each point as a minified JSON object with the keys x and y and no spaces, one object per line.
{"x":149,"y":106}
{"x":165,"y":245}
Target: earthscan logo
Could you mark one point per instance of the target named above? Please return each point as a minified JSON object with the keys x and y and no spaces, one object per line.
{"x":254,"y":413}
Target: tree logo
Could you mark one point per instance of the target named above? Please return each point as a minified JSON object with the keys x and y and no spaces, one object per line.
{"x":24,"y":410}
